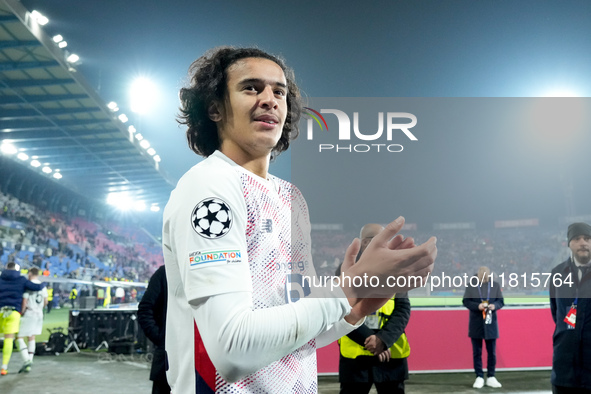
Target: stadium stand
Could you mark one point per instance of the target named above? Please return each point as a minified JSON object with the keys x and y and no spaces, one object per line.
{"x":505,"y":251}
{"x":74,"y":248}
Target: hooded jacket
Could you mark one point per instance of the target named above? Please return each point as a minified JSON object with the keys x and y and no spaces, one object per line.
{"x":12,"y":288}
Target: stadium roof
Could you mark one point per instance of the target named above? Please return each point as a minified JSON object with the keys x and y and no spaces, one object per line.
{"x":49,"y":113}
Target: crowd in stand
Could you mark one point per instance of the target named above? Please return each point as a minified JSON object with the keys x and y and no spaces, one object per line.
{"x":506,"y":251}
{"x":79,"y":249}
{"x":74,"y":247}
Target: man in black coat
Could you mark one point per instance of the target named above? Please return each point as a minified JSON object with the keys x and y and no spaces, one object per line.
{"x":570,"y":304}
{"x":387,"y":371}
{"x":484,"y":298}
{"x":152,"y":319}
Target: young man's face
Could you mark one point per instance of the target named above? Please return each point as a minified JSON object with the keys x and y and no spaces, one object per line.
{"x":255,"y":108}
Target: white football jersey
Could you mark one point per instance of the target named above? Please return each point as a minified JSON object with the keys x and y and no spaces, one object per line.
{"x":227,"y":230}
{"x":35,"y":301}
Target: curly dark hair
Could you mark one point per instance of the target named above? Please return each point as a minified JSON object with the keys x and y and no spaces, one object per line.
{"x":208,"y":84}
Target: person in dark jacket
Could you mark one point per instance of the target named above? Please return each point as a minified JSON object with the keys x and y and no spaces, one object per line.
{"x":152,"y":319}
{"x":570,"y":304}
{"x":376,"y":365}
{"x":484,"y":298}
{"x":12,"y":288}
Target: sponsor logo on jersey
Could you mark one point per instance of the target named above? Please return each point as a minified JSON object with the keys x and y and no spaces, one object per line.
{"x":215,"y":256}
{"x":211,"y":218}
{"x":291,"y":266}
{"x":296,"y":288}
{"x":267,"y":225}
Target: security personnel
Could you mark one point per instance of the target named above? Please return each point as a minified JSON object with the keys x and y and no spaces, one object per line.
{"x":107,"y":297}
{"x":49,"y":298}
{"x":376,"y":353}
{"x":386,"y":366}
{"x":73,"y":296}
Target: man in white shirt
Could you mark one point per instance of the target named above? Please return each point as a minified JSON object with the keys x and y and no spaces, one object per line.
{"x":31,"y":321}
{"x":232,"y":234}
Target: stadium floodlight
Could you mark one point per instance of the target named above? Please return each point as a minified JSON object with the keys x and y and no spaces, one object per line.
{"x":145,"y":144}
{"x":47,"y":170}
{"x":35,"y":163}
{"x":562,"y":92}
{"x":139,"y":137}
{"x":73,"y":58}
{"x":23,"y":156}
{"x":123,"y":118}
{"x":113,"y":106}
{"x":8,"y":148}
{"x":143,"y":94}
{"x":39,"y":18}
{"x":154,"y":208}
{"x":131,"y":129}
{"x":58,"y":38}
{"x":120,"y":200}
{"x":63,"y":44}
{"x":151,"y":151}
{"x":157,"y":159}
{"x":140,"y":206}
{"x":57,"y":175}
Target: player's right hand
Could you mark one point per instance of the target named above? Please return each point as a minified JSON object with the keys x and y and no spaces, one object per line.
{"x":389,"y":265}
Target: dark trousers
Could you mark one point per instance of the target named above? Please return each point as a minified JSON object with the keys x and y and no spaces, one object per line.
{"x":491,"y":345}
{"x":363,"y":388}
{"x":160,"y":387}
{"x":569,"y":390}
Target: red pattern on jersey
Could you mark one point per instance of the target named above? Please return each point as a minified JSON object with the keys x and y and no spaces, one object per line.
{"x":203,"y":364}
{"x":275,"y":239}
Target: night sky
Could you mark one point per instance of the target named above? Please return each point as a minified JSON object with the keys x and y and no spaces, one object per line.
{"x":373,"y":49}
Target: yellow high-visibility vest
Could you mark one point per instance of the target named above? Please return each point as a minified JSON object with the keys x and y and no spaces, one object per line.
{"x":400,"y":348}
{"x":107,"y":296}
{"x":49,"y":294}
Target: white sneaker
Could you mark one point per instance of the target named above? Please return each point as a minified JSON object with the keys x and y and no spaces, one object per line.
{"x":493,"y":382}
{"x":478,"y":383}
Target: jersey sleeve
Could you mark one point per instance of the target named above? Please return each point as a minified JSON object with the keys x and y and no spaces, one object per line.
{"x":206,"y":224}
{"x":336,"y":331}
{"x":241,"y":341}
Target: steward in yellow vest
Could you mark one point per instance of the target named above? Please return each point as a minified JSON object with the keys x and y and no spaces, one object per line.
{"x":384,"y":333}
{"x":73,"y":297}
{"x":49,"y":298}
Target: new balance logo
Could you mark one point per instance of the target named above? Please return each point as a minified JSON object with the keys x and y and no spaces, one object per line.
{"x":267,"y":225}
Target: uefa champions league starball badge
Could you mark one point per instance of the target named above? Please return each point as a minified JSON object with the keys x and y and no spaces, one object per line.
{"x":212,"y":218}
